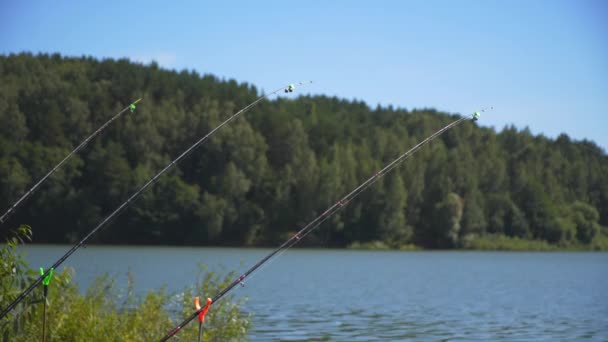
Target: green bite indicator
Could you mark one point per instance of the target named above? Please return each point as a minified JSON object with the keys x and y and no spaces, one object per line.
{"x":46,"y":279}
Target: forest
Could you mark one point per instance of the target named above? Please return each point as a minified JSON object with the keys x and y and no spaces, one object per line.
{"x":268,"y":173}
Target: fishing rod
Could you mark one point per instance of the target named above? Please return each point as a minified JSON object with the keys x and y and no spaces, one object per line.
{"x":315,"y":223}
{"x":12,"y":208}
{"x":288,"y":89}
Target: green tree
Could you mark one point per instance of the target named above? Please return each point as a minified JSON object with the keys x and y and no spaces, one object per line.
{"x":473,"y":217}
{"x":392,"y":223}
{"x":585,"y":218}
{"x":446,"y":221}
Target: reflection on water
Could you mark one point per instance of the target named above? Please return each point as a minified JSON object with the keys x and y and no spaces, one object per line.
{"x":332,"y":295}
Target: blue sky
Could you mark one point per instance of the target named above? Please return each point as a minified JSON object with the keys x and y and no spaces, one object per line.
{"x":541,"y":64}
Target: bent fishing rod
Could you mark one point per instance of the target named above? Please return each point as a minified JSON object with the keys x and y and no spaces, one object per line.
{"x":201,"y":312}
{"x":288,"y":89}
{"x":12,"y":208}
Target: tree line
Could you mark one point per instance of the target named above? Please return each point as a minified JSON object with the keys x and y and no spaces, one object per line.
{"x":265,"y":175}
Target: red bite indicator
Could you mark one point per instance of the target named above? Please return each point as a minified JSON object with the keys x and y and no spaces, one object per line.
{"x":203,"y":312}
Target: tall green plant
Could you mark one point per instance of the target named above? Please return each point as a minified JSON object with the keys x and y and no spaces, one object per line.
{"x":15,"y":274}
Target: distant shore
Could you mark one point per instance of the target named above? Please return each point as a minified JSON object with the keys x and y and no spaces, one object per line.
{"x":486,"y":243}
{"x":497,"y":243}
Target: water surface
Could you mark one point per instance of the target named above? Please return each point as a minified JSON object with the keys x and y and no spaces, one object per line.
{"x":342,"y":295}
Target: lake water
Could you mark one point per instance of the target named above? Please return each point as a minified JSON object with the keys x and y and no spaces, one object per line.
{"x":343,"y":295}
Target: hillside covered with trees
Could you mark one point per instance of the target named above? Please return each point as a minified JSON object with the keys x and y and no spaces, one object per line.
{"x":268,"y":173}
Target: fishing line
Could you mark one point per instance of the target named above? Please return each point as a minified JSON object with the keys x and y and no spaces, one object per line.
{"x":12,"y":208}
{"x":288,"y":88}
{"x":320,"y":219}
